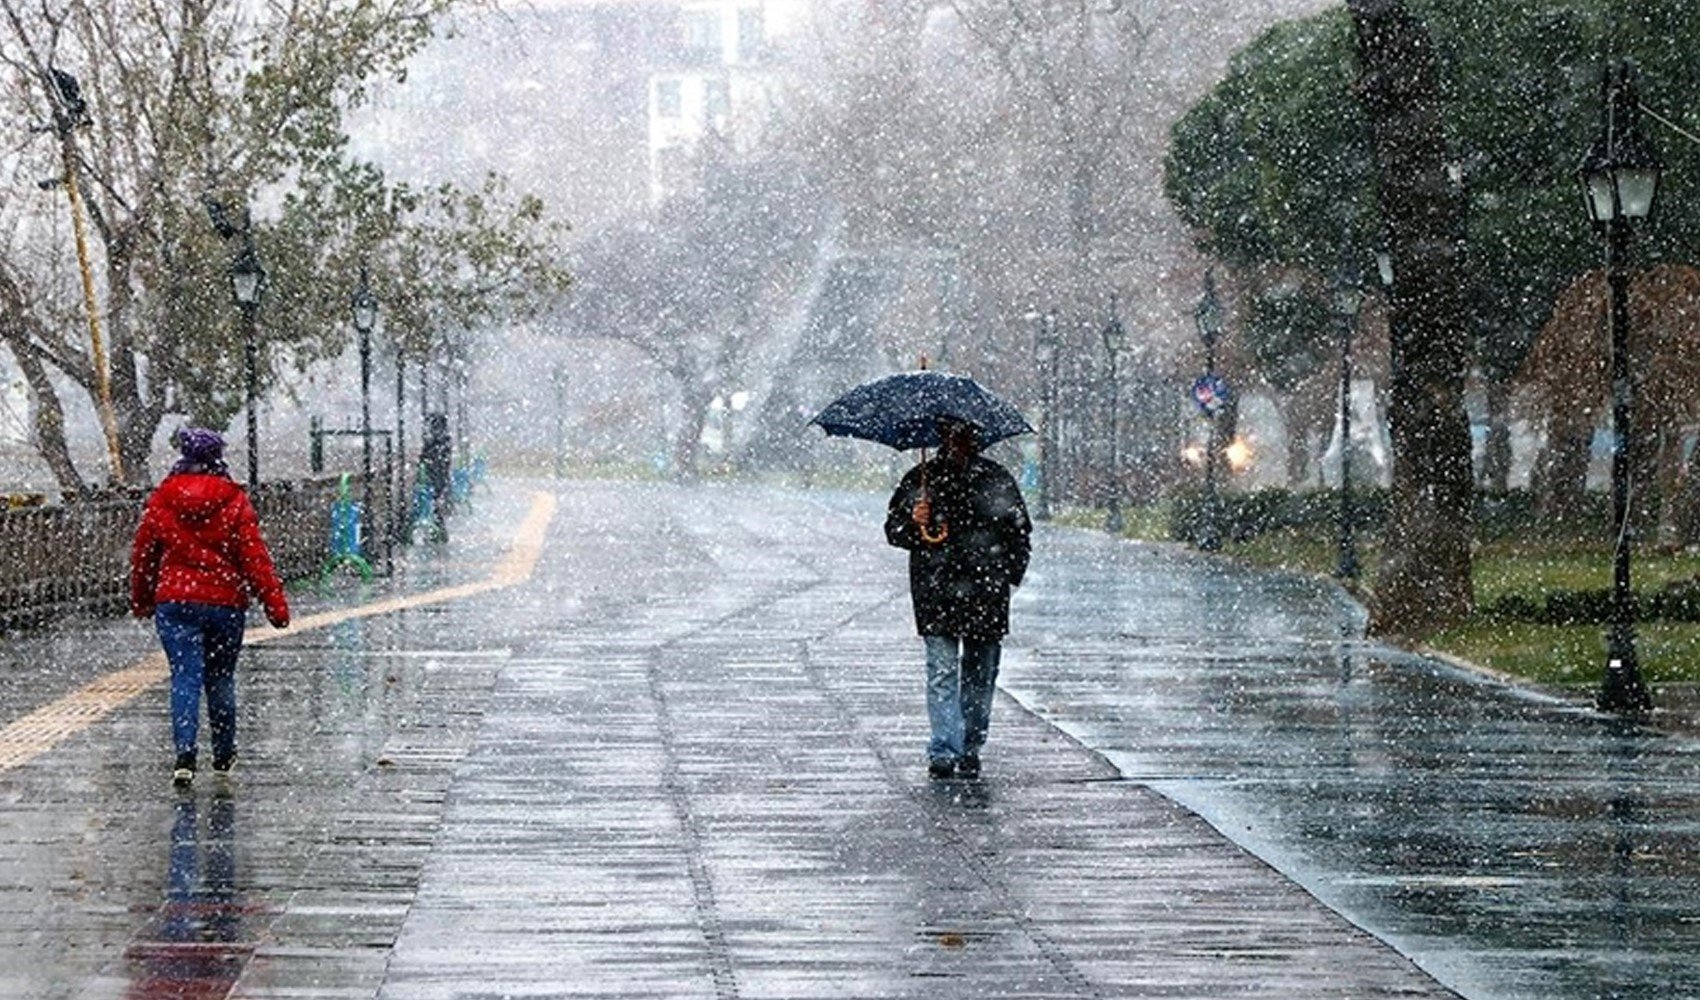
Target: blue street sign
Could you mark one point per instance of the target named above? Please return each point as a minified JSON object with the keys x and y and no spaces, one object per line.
{"x":1211,"y":393}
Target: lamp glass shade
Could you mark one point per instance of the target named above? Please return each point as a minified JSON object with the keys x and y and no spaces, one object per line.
{"x":1115,"y":336}
{"x":1636,"y":188}
{"x":1208,"y":316}
{"x":1384,"y":267}
{"x":248,"y":285}
{"x":1046,"y":343}
{"x":1597,"y":192}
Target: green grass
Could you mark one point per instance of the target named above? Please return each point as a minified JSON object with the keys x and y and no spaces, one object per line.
{"x":1147,"y":523}
{"x":1534,"y":568}
{"x":1303,"y":552}
{"x":1567,"y":655}
{"x":1572,"y":655}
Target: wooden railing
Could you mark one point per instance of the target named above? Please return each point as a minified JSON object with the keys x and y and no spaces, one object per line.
{"x":76,"y":557}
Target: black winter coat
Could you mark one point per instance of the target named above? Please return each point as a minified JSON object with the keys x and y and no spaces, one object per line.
{"x":960,"y":586}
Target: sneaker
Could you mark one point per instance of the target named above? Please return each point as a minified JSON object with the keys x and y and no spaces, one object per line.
{"x":941,"y":768}
{"x":968,"y":766}
{"x":184,"y":772}
{"x":223,"y":767}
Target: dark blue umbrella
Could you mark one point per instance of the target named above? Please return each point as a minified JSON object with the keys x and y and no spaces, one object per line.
{"x":903,"y":410}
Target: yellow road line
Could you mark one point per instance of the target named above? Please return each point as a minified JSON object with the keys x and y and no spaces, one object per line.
{"x":52,"y":724}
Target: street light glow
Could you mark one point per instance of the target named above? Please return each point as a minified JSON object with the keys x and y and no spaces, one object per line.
{"x":1239,"y":454}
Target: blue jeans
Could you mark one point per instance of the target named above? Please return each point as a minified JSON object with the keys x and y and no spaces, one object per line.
{"x":201,"y":642}
{"x":962,"y":676}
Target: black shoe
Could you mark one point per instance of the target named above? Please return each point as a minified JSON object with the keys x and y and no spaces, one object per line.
{"x":184,"y":771}
{"x":941,"y":768}
{"x":222,"y":765}
{"x":968,"y":766}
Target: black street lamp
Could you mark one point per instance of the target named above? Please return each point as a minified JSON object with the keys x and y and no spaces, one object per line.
{"x":400,"y":516}
{"x":365,"y":308}
{"x":248,"y":286}
{"x":1045,"y":352}
{"x":1115,"y":340}
{"x":1348,"y":297}
{"x":1620,"y":178}
{"x":1208,"y":317}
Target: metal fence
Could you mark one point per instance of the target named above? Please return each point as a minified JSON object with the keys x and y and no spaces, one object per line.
{"x":76,"y":557}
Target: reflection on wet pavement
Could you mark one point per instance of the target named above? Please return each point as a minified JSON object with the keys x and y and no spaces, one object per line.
{"x":198,"y":940}
{"x":1514,"y":845}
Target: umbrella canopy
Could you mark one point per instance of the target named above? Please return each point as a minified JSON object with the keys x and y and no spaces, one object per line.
{"x":903,"y":410}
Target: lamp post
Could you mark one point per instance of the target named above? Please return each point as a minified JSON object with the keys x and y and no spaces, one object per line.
{"x":1348,"y":297}
{"x":1208,"y":317}
{"x":248,"y":286}
{"x":1620,"y":177}
{"x":403,"y":512}
{"x":1115,"y":340}
{"x":1045,"y":353}
{"x":365,"y":308}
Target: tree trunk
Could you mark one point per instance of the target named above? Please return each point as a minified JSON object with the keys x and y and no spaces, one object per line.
{"x":1686,"y":513}
{"x":1659,"y":507}
{"x":688,"y":444}
{"x":49,"y":429}
{"x":1298,"y":443}
{"x":1496,"y":456}
{"x":1561,"y":473}
{"x":1424,"y":582}
{"x":135,"y":425}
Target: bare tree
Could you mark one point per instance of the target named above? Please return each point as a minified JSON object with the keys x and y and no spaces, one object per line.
{"x":692,"y":290}
{"x":182,"y":100}
{"x":1073,"y":73}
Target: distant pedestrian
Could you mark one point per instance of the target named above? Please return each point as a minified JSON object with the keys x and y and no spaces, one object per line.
{"x":962,"y":518}
{"x":197,"y":559}
{"x":436,"y":461}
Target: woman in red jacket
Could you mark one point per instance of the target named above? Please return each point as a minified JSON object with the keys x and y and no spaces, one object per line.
{"x":197,"y":558}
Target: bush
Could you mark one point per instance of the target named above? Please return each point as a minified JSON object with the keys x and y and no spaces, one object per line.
{"x":1245,"y":516}
{"x":1514,"y":514}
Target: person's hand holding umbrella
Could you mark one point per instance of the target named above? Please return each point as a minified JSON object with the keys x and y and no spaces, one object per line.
{"x":923,"y":517}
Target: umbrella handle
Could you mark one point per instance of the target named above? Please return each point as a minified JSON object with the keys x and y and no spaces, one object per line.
{"x":928,"y":535}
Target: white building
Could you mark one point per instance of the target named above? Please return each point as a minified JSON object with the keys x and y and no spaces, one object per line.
{"x":716,"y":97}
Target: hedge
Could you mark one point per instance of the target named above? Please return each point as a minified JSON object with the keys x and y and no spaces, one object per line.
{"x":1245,"y":516}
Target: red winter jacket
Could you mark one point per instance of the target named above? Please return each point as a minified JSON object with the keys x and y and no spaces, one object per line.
{"x":199,"y":543}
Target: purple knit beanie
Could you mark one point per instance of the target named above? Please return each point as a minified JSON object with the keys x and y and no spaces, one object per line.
{"x":203,"y":450}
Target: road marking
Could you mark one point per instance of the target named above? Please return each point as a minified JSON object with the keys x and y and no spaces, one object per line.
{"x":52,"y":724}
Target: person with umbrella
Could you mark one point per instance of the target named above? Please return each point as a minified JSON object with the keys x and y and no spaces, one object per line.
{"x":965,"y":525}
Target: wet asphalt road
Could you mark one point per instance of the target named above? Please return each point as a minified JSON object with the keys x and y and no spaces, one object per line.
{"x":684,"y":760}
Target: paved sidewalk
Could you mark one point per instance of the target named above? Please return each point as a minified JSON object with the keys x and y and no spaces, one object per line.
{"x":684,"y":760}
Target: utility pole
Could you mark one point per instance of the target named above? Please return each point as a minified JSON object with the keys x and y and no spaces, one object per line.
{"x":70,"y":112}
